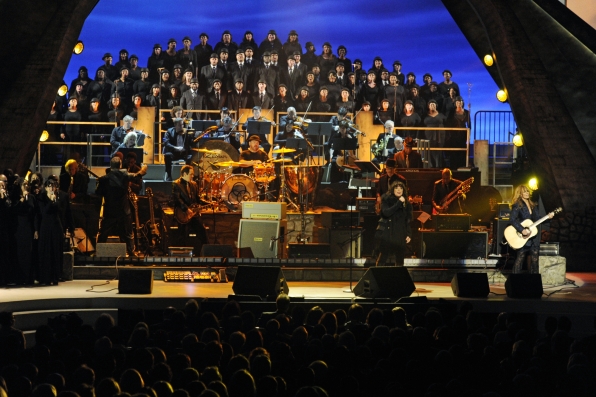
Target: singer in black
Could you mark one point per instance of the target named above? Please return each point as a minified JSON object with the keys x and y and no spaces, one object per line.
{"x":394,"y":227}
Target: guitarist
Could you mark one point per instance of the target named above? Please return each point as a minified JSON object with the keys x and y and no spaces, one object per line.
{"x":113,"y":187}
{"x":442,"y":188}
{"x":521,"y":209}
{"x":185,"y":192}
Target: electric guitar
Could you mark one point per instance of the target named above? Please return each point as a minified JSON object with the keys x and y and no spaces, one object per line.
{"x":153,"y":234}
{"x":183,"y":217}
{"x":133,"y":199}
{"x":462,"y":189}
{"x":516,"y":240}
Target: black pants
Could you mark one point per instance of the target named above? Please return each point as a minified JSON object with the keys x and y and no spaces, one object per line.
{"x":386,"y":249}
{"x":520,"y":264}
{"x":122,"y":227}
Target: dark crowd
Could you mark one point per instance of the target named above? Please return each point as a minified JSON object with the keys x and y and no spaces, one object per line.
{"x":295,"y":351}
{"x":269,"y":74}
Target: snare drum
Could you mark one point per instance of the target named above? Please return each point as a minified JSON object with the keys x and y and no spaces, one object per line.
{"x":264,"y":173}
{"x":213,"y":181}
{"x":238,"y":188}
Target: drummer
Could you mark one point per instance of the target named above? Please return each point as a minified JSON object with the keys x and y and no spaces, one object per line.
{"x":253,"y":155}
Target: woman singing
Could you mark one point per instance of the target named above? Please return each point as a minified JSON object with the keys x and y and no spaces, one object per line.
{"x":521,"y":209}
{"x":396,"y":214}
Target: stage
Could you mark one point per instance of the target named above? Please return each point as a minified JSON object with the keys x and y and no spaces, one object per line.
{"x":89,"y":298}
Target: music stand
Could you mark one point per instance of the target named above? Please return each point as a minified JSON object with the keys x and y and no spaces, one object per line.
{"x":367,"y":168}
{"x":254,"y":127}
{"x":202,"y":125}
{"x":320,"y":129}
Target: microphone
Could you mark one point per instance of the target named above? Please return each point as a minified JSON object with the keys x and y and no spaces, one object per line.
{"x":271,"y":243}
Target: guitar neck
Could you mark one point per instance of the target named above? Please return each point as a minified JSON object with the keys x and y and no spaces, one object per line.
{"x":539,"y":221}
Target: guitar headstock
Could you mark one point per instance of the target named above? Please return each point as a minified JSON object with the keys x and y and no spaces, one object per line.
{"x":557,"y":210}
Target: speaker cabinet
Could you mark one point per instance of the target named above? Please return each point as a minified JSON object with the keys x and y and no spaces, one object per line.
{"x":309,"y":251}
{"x":460,"y":245}
{"x":524,"y":286}
{"x":343,"y":243}
{"x":470,"y":285}
{"x":499,"y":226}
{"x":135,"y":281}
{"x":260,"y":280}
{"x":218,"y":250}
{"x":385,"y":282}
{"x":260,"y":235}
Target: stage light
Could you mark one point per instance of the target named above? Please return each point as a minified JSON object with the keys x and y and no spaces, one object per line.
{"x":518,"y":139}
{"x":488,"y":60}
{"x":44,"y":136}
{"x":62,"y":90}
{"x":78,"y":48}
{"x":502,"y":95}
{"x":533,"y":184}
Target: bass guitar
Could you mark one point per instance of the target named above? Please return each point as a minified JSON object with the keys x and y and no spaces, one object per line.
{"x":516,"y":240}
{"x":462,"y":189}
{"x":138,"y":229}
{"x":153,"y":234}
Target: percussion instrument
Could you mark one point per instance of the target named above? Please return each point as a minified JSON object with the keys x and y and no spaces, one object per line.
{"x":310,"y":178}
{"x":237,"y":188}
{"x":283,"y":150}
{"x":264,"y":173}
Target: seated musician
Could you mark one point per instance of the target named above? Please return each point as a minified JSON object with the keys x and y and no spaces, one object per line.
{"x":256,"y":116}
{"x":382,"y":148}
{"x":340,"y":160}
{"x":341,"y":115}
{"x":254,"y":154}
{"x":441,"y":190}
{"x":176,"y":146}
{"x":185,"y":194}
{"x":226,"y":131}
{"x":408,"y":158}
{"x":119,"y":133}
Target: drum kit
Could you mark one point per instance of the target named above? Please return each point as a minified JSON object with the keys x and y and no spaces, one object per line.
{"x":219,"y":185}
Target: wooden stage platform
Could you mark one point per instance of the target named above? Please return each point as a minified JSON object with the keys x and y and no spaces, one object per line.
{"x":89,"y":298}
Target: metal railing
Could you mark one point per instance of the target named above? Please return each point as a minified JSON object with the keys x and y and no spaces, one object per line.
{"x":493,"y":126}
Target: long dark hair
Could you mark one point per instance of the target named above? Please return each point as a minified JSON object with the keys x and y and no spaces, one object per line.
{"x":396,"y":184}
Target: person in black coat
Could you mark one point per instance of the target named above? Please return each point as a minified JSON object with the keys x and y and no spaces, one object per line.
{"x":192,"y":100}
{"x":54,"y":218}
{"x":113,"y":187}
{"x":25,"y":208}
{"x":441,"y":190}
{"x":394,"y":226}
{"x":408,"y":158}
{"x":185,"y":194}
{"x":176,"y":146}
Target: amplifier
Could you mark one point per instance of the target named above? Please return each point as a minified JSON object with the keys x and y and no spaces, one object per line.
{"x":366,"y":205}
{"x":504,"y":210}
{"x":191,"y":276}
{"x":452,"y":222}
{"x":265,"y":210}
{"x":309,"y":251}
{"x":338,"y":219}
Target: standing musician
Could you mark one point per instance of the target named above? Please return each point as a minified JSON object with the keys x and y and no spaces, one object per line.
{"x":118,"y":133}
{"x":523,"y":208}
{"x":74,"y":182}
{"x":113,"y":187}
{"x":387,"y":179}
{"x":185,"y":192}
{"x":176,"y":146}
{"x":442,"y":188}
{"x":394,"y":226}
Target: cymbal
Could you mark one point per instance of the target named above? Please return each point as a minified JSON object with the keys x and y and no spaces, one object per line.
{"x":203,"y":150}
{"x":228,"y":164}
{"x":283,"y":150}
{"x":282,"y":160}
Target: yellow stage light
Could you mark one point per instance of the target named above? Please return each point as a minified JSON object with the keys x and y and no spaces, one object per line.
{"x":44,"y":136}
{"x":518,"y":139}
{"x":78,"y":48}
{"x":488,"y":60}
{"x":502,"y":95}
{"x":533,"y":184}
{"x":62,"y":90}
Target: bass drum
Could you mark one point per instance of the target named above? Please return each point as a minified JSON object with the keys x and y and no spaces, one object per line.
{"x":238,"y":188}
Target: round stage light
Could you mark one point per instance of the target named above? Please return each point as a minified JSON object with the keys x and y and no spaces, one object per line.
{"x":502,"y":95}
{"x":44,"y":136}
{"x":518,"y":140}
{"x":533,"y":184}
{"x":488,"y":60}
{"x":62,"y":90}
{"x":78,"y":48}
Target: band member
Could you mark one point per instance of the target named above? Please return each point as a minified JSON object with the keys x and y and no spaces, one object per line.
{"x":387,"y":179}
{"x":256,"y":116}
{"x":394,"y":226}
{"x":54,"y":218}
{"x":408,"y":158}
{"x":113,"y":187}
{"x":523,"y":208}
{"x":74,"y":182}
{"x":185,"y":192}
{"x":384,"y":144}
{"x":289,"y":128}
{"x":254,"y":154}
{"x":442,"y":188}
{"x":130,"y":163}
{"x":226,"y":131}
{"x":176,"y":146}
{"x":340,"y":159}
{"x":118,"y":133}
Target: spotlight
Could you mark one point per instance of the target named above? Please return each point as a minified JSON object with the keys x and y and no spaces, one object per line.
{"x":44,"y":136}
{"x":62,"y":90}
{"x":533,"y":184}
{"x":78,"y":48}
{"x":488,"y":60}
{"x":518,"y":140}
{"x":502,"y":95}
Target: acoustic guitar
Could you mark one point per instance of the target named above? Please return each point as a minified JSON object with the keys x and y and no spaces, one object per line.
{"x":517,"y":240}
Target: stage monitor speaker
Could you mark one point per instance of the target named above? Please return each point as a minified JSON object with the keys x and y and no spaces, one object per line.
{"x":385,"y":282}
{"x":135,"y":281}
{"x":470,"y":285}
{"x":309,"y":251}
{"x":218,"y":250}
{"x":260,"y":280}
{"x":460,"y":245}
{"x":260,"y":235}
{"x":110,"y":250}
{"x":524,"y":286}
